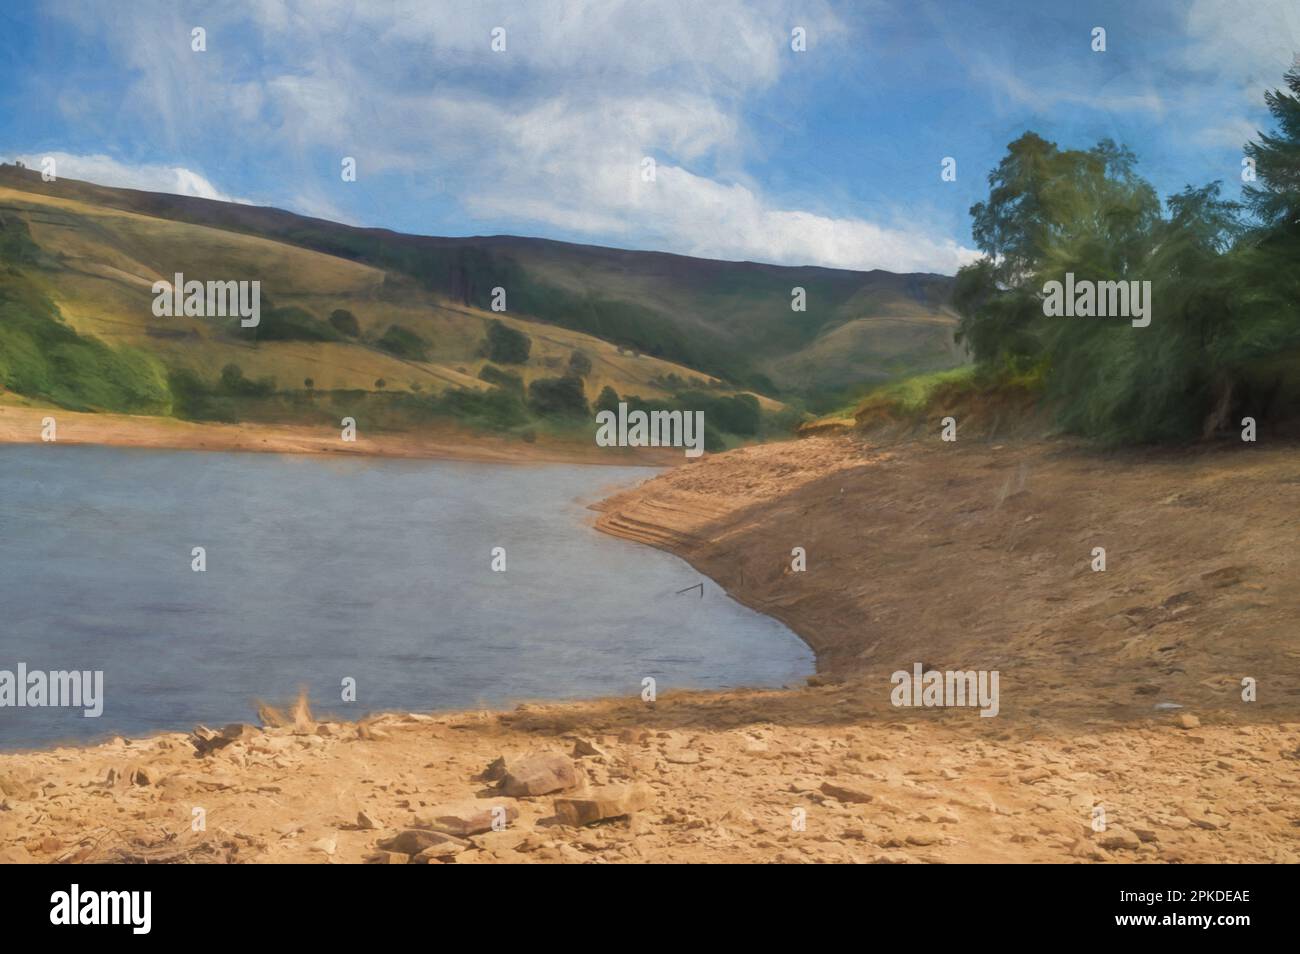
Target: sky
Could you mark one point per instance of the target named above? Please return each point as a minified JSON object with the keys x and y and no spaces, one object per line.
{"x":829,"y":155}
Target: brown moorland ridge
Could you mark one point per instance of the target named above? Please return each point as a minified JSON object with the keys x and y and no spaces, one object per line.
{"x":915,"y":554}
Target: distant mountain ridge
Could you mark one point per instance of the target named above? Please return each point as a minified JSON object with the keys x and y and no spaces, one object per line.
{"x":730,"y":320}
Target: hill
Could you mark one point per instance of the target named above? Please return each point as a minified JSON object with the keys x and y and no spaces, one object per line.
{"x":416,"y":313}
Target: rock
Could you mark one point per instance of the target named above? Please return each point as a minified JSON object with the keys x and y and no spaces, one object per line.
{"x":495,"y":770}
{"x":682,"y":756}
{"x":366,"y":822}
{"x":584,"y":748}
{"x":634,"y":736}
{"x":612,"y":801}
{"x":758,"y":749}
{"x":538,"y":774}
{"x":846,"y":793}
{"x":141,"y":776}
{"x":437,"y":854}
{"x":468,"y":817}
{"x":1186,"y":720}
{"x":207,"y":741}
{"x":326,"y":846}
{"x":1115,"y":837}
{"x":387,"y":858}
{"x":367,"y":733}
{"x":412,"y":841}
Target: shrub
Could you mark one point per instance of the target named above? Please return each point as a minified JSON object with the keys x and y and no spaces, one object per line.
{"x":505,"y":345}
{"x":404,"y":343}
{"x":558,"y":396}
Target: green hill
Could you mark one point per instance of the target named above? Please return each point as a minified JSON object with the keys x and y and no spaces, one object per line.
{"x":406,"y":319}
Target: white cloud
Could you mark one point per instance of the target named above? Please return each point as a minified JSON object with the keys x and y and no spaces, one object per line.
{"x":1249,"y":45}
{"x":1231,"y":133}
{"x":104,"y":170}
{"x":546,"y":136}
{"x":1112,"y":97}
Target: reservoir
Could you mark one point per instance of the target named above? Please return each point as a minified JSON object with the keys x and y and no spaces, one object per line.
{"x":322,"y":570}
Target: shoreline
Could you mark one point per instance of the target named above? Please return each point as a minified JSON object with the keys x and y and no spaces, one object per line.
{"x":22,"y":425}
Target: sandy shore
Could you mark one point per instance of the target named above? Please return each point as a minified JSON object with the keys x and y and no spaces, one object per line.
{"x":977,"y":562}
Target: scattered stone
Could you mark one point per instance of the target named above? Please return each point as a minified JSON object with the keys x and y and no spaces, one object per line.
{"x":412,"y":841}
{"x":682,"y":756}
{"x":366,"y":822}
{"x":847,"y":793}
{"x":1115,"y":837}
{"x":584,"y":748}
{"x":612,"y":801}
{"x":467,"y":817}
{"x":326,"y":846}
{"x":206,"y":741}
{"x":1187,"y":721}
{"x":387,"y":858}
{"x":539,"y":773}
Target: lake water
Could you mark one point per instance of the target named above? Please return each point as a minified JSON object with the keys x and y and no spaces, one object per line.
{"x":321,"y":569}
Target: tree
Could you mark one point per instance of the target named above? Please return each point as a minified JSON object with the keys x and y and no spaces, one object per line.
{"x":607,"y":401}
{"x":404,"y":343}
{"x":558,"y":396}
{"x":579,"y":364}
{"x":505,"y":345}
{"x":344,"y":322}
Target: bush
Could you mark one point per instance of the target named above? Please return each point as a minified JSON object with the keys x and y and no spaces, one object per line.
{"x":563,"y":397}
{"x":505,"y":345}
{"x":579,"y":364}
{"x":291,"y":324}
{"x":345,"y":323}
{"x":404,"y":343}
{"x":502,"y":379}
{"x":497,"y":408}
{"x":234,"y":384}
{"x":608,"y":400}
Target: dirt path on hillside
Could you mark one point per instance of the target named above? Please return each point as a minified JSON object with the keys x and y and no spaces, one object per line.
{"x":914,"y":554}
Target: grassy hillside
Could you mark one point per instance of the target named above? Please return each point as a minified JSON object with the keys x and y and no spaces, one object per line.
{"x":406,"y":319}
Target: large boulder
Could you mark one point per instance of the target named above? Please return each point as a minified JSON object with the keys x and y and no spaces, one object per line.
{"x":538,"y":773}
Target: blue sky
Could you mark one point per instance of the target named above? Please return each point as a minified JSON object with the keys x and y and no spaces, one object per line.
{"x":829,"y":156}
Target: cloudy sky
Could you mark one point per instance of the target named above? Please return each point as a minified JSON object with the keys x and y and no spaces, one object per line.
{"x":829,"y":156}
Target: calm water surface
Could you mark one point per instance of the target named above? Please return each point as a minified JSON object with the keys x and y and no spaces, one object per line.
{"x":321,"y":569}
